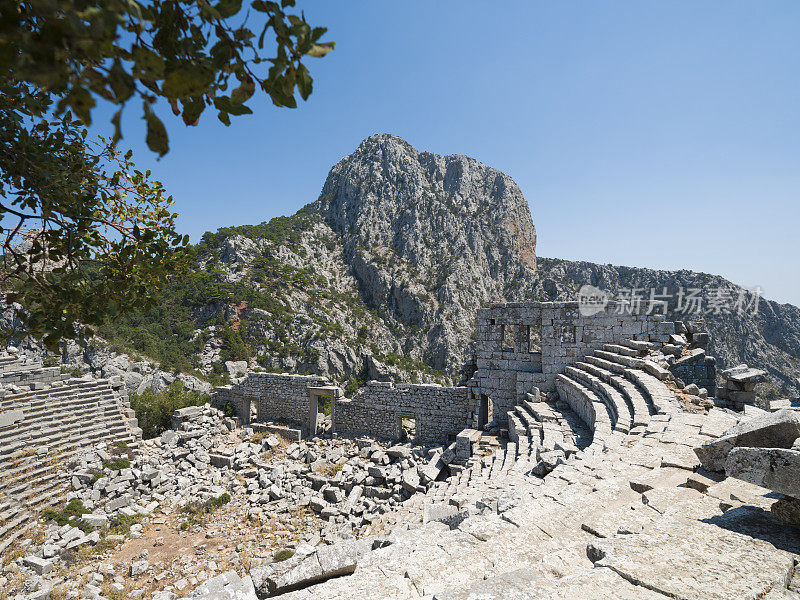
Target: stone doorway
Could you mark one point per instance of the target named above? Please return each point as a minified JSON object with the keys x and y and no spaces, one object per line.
{"x":320,"y":398}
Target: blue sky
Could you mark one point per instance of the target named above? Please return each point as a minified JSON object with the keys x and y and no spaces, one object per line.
{"x":655,"y":134}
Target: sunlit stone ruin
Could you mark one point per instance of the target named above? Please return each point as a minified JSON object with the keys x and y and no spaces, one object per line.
{"x":586,"y":456}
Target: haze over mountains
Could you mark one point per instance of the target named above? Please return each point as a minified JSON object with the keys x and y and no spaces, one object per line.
{"x":380,"y":277}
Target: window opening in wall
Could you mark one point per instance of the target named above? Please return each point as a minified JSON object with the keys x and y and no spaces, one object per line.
{"x":484,"y":411}
{"x":408,"y":428}
{"x":567,"y":334}
{"x":534,"y":338}
{"x":508,"y":338}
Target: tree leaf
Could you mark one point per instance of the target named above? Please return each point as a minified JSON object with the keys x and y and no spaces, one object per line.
{"x":156,"y":139}
{"x":320,"y":50}
{"x":188,"y":80}
{"x":228,"y":8}
{"x":148,"y":63}
{"x":115,"y":121}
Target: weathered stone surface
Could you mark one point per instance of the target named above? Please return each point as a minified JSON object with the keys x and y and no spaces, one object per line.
{"x":775,"y":468}
{"x":683,"y":558}
{"x":227,"y":586}
{"x":534,"y":584}
{"x":771,"y":430}
{"x":787,"y":509}
{"x":744,"y":374}
{"x":40,"y":565}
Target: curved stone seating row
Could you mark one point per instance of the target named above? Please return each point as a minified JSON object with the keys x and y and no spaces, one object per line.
{"x":615,"y":378}
{"x":587,"y":404}
{"x":44,"y":428}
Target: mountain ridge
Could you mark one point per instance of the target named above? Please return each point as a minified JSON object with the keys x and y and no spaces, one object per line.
{"x":380,"y":277}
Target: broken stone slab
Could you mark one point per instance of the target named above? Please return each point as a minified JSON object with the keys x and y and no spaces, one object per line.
{"x":9,"y":417}
{"x":91,"y":538}
{"x":138,"y":568}
{"x":431,"y":471}
{"x":41,"y":566}
{"x":400,"y":452}
{"x":310,"y":567}
{"x":655,"y":370}
{"x":787,"y":509}
{"x":443,"y":513}
{"x":744,"y":374}
{"x":95,"y":519}
{"x":464,"y":441}
{"x":410,"y":481}
{"x":777,"y":469}
{"x":227,"y":586}
{"x":449,"y":455}
{"x":770,"y":430}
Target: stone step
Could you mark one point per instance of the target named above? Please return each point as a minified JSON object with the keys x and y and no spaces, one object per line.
{"x":641,"y":409}
{"x":639,"y":345}
{"x":65,"y":398}
{"x":112,"y":425}
{"x":626,"y":361}
{"x":57,"y":416}
{"x":654,"y":390}
{"x":605,"y":364}
{"x":620,"y":412}
{"x":623,"y":350}
{"x":72,"y":384}
{"x":586,"y":404}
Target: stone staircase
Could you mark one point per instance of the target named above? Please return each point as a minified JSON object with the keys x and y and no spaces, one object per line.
{"x":604,"y":401}
{"x":611,"y":390}
{"x":45,"y":426}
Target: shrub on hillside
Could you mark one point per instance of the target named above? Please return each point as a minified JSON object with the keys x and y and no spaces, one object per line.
{"x":154,"y":410}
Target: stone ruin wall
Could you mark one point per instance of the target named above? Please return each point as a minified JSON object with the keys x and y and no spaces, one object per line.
{"x":697,"y":368}
{"x":509,"y":365}
{"x":277,"y":396}
{"x":519,"y":347}
{"x":378,"y":409}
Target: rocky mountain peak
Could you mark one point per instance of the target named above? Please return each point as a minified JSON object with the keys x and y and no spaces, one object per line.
{"x":429,"y":238}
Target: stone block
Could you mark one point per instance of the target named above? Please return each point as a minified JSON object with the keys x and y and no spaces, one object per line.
{"x":770,"y":430}
{"x":777,"y":469}
{"x":41,"y":566}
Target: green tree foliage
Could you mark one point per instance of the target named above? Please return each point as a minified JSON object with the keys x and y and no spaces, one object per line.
{"x":233,"y":345}
{"x":154,"y":409}
{"x":196,"y":54}
{"x":86,"y":236}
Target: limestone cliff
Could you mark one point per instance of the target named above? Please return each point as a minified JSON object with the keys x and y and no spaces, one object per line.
{"x":429,"y":238}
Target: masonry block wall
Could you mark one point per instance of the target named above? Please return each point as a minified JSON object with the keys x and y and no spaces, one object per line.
{"x":10,"y":363}
{"x":277,"y":396}
{"x":697,"y":368}
{"x":39,"y":375}
{"x":524,"y":345}
{"x":378,"y":409}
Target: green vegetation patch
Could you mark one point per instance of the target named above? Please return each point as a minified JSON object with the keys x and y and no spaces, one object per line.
{"x":282,"y":555}
{"x":195,"y":512}
{"x":117,"y":464}
{"x":154,"y":409}
{"x":69,"y":515}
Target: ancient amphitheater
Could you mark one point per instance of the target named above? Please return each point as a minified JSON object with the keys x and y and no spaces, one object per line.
{"x":567,"y":466}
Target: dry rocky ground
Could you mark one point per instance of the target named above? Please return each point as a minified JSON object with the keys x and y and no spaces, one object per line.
{"x":160,"y":519}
